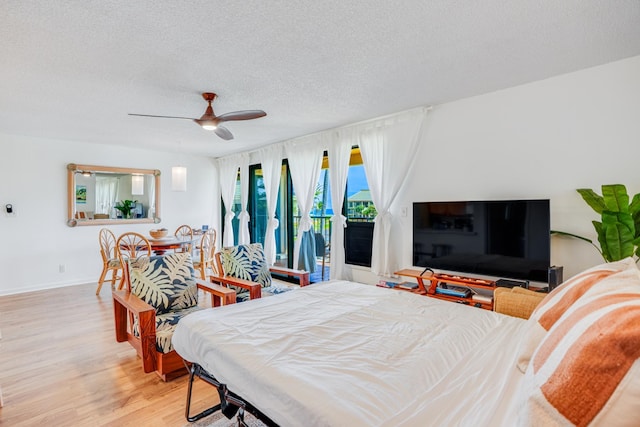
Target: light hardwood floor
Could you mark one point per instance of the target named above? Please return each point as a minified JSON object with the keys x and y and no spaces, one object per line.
{"x":60,"y":365}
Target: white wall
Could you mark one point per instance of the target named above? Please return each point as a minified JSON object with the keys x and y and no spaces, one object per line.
{"x":33,"y":178}
{"x":540,"y":140}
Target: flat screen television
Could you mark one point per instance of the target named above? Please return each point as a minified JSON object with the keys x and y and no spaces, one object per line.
{"x":507,"y":239}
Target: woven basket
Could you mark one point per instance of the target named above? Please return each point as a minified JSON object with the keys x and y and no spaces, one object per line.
{"x":158,"y":234}
{"x":517,"y":302}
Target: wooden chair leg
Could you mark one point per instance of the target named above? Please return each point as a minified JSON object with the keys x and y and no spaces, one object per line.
{"x":120,"y":318}
{"x":114,"y":277}
{"x":101,"y":279}
{"x":147,"y":323}
{"x":217,"y":301}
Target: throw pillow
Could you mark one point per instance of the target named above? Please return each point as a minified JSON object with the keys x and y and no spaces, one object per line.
{"x":166,"y":282}
{"x":246,"y":262}
{"x":556,"y":303}
{"x":586,"y":370}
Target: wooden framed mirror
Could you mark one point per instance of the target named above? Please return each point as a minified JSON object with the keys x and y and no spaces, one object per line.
{"x":104,"y":195}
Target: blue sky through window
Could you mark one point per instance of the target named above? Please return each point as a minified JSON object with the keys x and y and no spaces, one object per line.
{"x":356,"y":181}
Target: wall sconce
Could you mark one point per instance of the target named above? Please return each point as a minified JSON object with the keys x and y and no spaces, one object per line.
{"x":179,"y":178}
{"x":137,"y":185}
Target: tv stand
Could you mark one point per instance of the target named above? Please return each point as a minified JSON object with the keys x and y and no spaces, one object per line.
{"x":429,"y":282}
{"x":507,"y":283}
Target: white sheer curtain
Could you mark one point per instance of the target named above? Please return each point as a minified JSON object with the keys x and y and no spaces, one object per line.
{"x":228,"y":168}
{"x":271,"y":160}
{"x":150,"y":189}
{"x":383,"y":158}
{"x":339,"y":151}
{"x":305,"y":162}
{"x":106,"y":194}
{"x":244,"y":238}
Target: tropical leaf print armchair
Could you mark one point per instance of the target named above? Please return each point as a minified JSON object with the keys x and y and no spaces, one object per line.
{"x":160,"y":290}
{"x":244,"y":268}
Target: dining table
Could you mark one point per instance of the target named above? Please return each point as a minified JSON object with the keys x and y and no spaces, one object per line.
{"x":163,"y":244}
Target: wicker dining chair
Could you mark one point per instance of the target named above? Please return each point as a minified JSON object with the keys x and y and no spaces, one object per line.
{"x":184,"y":232}
{"x":204,"y":258}
{"x":110,"y":261}
{"x":131,"y":245}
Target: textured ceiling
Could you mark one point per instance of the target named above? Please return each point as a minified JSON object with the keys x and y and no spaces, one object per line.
{"x":72,"y":70}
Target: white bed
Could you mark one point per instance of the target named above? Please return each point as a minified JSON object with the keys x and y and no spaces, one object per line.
{"x":343,"y":353}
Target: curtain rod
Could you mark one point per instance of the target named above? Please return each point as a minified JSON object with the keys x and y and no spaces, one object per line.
{"x":426,"y":108}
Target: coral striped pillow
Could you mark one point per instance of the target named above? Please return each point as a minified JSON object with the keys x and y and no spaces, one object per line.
{"x":554,"y":305}
{"x":586,"y":370}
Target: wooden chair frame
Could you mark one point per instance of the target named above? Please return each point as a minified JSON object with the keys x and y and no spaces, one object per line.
{"x":255,"y":289}
{"x":127,"y":306}
{"x":206,"y":252}
{"x":109,"y":253}
{"x":301,"y":275}
{"x":184,"y":231}
{"x":131,"y":245}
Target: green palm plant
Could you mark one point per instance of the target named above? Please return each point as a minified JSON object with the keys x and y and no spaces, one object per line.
{"x":619,"y":228}
{"x":125,"y":206}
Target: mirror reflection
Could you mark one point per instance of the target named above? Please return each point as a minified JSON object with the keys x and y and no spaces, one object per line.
{"x":101,"y":195}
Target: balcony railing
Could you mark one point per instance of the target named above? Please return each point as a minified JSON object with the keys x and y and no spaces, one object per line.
{"x":321,"y":224}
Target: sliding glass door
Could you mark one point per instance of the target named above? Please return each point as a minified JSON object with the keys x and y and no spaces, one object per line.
{"x":358,"y":208}
{"x":284,"y":214}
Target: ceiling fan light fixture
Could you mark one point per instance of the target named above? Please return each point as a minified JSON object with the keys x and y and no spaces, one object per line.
{"x":207,"y":123}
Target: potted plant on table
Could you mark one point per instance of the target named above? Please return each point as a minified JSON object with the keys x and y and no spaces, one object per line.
{"x":619,"y":228}
{"x":125,"y":207}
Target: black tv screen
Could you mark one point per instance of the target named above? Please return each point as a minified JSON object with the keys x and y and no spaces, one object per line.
{"x":508,"y":239}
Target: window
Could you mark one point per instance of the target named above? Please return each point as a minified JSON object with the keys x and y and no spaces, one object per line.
{"x":321,"y":211}
{"x":360,"y":213}
{"x":358,"y":207}
{"x":288,"y":215}
{"x":106,"y":194}
{"x":259,"y":215}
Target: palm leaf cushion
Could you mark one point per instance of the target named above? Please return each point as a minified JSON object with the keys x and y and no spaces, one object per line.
{"x":165,"y":325}
{"x":166,"y":282}
{"x":246,"y":262}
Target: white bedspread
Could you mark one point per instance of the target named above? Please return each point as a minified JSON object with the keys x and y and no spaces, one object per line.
{"x":347,"y":354}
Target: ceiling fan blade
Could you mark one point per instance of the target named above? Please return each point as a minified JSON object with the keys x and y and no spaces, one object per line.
{"x":161,"y":117}
{"x":223,"y":133}
{"x":242,"y":115}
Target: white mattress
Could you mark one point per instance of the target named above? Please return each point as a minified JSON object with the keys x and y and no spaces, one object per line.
{"x":343,"y":353}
